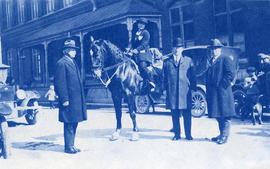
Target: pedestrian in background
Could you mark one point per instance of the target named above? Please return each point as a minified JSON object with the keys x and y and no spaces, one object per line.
{"x":179,"y":80}
{"x":51,"y":96}
{"x":69,"y":88}
{"x":220,"y":101}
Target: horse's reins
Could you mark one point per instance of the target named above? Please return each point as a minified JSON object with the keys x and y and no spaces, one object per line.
{"x":109,"y":68}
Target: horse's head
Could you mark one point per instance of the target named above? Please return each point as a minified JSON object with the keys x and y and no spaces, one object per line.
{"x":97,"y":52}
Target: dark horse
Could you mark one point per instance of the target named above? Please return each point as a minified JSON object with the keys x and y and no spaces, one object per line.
{"x":122,"y":76}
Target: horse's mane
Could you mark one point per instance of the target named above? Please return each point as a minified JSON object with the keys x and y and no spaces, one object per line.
{"x":128,"y":72}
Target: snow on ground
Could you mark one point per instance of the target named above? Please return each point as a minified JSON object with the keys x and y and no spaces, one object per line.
{"x":41,"y":146}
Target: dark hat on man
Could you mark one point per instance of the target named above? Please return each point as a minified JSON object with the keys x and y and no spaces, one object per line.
{"x":215,"y":43}
{"x":142,"y":21}
{"x":70,"y":43}
{"x":178,"y":42}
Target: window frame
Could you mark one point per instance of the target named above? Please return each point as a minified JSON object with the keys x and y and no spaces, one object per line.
{"x":182,"y":23}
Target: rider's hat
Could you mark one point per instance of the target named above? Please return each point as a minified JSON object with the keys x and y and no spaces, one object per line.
{"x":70,"y":43}
{"x":215,"y":43}
{"x":142,"y":21}
{"x":178,"y":42}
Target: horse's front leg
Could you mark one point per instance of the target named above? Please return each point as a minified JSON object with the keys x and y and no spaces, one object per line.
{"x":117,"y":101}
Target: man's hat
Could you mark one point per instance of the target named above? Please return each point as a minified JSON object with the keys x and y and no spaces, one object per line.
{"x":142,"y":21}
{"x":215,"y":43}
{"x":70,"y":43}
{"x":178,"y":42}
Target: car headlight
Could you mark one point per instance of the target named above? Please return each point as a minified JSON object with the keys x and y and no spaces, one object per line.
{"x":20,"y":94}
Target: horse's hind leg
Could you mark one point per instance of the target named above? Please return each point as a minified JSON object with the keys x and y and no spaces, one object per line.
{"x":131,"y":107}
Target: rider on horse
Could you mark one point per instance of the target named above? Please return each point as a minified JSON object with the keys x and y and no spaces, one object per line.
{"x":143,"y":56}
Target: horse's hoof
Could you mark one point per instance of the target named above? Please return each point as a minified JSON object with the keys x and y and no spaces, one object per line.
{"x":136,"y":129}
{"x":135,"y":136}
{"x":115,"y":136}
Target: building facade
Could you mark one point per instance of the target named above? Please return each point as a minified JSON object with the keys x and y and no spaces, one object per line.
{"x":33,"y":31}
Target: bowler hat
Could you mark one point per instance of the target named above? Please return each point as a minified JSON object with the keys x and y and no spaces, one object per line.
{"x":215,"y":43}
{"x":178,"y":42}
{"x":70,"y":43}
{"x":142,"y":21}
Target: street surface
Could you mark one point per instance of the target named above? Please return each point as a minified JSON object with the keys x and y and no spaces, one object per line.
{"x":41,"y":146}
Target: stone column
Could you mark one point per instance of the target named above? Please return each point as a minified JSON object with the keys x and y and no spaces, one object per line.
{"x":1,"y":57}
{"x":82,"y":34}
{"x":46,"y":76}
{"x":129,"y":24}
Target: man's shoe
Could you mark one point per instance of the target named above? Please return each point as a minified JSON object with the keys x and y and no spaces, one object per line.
{"x":222,"y":140}
{"x":76,"y":149}
{"x":70,"y":150}
{"x":175,"y":138}
{"x":189,"y":138}
{"x":172,"y":130}
{"x":215,"y":139}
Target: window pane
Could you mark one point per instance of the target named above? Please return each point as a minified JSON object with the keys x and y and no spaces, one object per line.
{"x":235,"y":4}
{"x":221,"y":25}
{"x":238,"y":22}
{"x":220,"y":6}
{"x":189,"y":31}
{"x":175,"y":15}
{"x":187,"y":13}
{"x":176,"y":31}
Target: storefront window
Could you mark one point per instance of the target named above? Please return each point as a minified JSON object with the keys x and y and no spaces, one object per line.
{"x":175,"y":15}
{"x":34,"y":9}
{"x":20,"y":4}
{"x":67,"y":3}
{"x":8,"y":13}
{"x":36,"y":57}
{"x":50,"y":6}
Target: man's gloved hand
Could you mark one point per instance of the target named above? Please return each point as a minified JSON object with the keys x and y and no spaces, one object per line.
{"x":66,"y":103}
{"x":135,"y":51}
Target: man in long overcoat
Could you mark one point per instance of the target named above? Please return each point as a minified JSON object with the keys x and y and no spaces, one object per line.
{"x":179,"y":80}
{"x":219,"y":94}
{"x":69,"y":88}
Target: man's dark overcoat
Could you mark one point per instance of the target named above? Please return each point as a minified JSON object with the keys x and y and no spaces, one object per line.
{"x":179,"y":79}
{"x":220,"y":101}
{"x":68,"y":87}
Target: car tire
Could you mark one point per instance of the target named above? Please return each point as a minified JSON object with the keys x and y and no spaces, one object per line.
{"x":31,"y":116}
{"x":199,"y":105}
{"x":239,"y":97}
{"x":142,"y":103}
{"x":4,"y":145}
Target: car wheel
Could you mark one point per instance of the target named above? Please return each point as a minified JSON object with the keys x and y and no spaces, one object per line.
{"x":4,"y":145}
{"x":199,"y":104}
{"x":239,"y":100}
{"x":31,"y":116}
{"x":142,"y":103}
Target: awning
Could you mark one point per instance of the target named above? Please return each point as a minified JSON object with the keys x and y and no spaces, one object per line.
{"x":92,"y":19}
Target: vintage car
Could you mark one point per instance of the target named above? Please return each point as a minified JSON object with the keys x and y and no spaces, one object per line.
{"x":200,"y":56}
{"x":13,"y":104}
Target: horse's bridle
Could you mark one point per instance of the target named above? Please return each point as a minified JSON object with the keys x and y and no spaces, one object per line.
{"x":109,"y":68}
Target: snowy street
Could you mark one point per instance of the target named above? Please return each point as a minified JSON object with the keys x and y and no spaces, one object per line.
{"x":41,"y":146}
